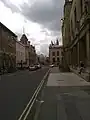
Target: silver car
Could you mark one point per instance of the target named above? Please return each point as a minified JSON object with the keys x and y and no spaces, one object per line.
{"x":32,"y":67}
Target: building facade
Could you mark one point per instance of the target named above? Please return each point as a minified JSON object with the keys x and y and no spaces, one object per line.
{"x":33,"y":56}
{"x":55,"y":54}
{"x":41,"y":59}
{"x":7,"y":47}
{"x":20,"y":53}
{"x":79,"y":45}
{"x":24,"y":41}
{"x":30,"y":52}
{"x":66,"y":28}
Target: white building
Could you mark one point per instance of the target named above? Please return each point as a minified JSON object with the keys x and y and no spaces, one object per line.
{"x":55,"y":54}
{"x":20,"y":53}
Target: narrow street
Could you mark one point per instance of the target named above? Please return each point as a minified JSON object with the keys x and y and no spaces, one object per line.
{"x":16,"y":90}
{"x":66,"y":97}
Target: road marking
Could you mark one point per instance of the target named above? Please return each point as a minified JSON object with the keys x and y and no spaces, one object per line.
{"x":28,"y":109}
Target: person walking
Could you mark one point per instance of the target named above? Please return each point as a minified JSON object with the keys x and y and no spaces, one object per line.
{"x":81,"y":67}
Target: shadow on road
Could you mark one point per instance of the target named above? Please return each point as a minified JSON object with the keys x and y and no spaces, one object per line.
{"x":64,"y":69}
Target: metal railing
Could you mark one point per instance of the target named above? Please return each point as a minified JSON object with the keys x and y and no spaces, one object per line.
{"x":29,"y":111}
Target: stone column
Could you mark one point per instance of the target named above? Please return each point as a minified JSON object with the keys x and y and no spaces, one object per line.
{"x":78,"y":53}
{"x":88,"y":47}
{"x":72,"y":56}
{"x":69,"y":56}
{"x":75,"y":55}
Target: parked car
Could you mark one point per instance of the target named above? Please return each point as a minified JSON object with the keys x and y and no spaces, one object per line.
{"x":39,"y":66}
{"x":52,"y":65}
{"x":32,"y":67}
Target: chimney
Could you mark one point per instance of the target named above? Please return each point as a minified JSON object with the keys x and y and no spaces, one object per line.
{"x":29,"y":42}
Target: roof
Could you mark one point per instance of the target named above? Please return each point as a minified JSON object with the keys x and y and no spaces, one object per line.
{"x":24,"y":36}
{"x":20,"y":43}
{"x":2,"y":25}
{"x":55,"y":46}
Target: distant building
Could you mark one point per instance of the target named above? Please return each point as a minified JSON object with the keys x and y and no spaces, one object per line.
{"x":42,"y":59}
{"x":33,"y":56}
{"x":20,"y":53}
{"x":7,"y":47}
{"x":24,"y":40}
{"x":47,"y":60}
{"x":55,"y":53}
{"x":30,"y":52}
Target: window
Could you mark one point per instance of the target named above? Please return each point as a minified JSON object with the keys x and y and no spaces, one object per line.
{"x":58,"y":59}
{"x":53,"y":60}
{"x":57,"y":53}
{"x":53,"y":53}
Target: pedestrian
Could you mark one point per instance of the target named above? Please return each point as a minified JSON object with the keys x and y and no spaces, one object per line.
{"x":81,"y":67}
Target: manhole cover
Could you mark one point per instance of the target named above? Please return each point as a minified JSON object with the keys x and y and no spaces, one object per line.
{"x":60,"y":80}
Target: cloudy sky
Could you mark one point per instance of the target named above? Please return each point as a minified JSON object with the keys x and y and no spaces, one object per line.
{"x":38,"y":19}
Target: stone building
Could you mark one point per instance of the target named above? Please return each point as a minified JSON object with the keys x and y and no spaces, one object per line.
{"x":66,"y":28}
{"x":20,"y":53}
{"x":30,"y":52}
{"x":41,"y":59}
{"x":33,"y":55}
{"x":55,"y":54}
{"x":79,"y":44}
{"x":24,"y":41}
{"x":7,"y":47}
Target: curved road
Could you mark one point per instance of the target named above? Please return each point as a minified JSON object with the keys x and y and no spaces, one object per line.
{"x":16,"y":90}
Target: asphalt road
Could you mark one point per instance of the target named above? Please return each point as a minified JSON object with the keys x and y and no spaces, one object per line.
{"x":16,"y":90}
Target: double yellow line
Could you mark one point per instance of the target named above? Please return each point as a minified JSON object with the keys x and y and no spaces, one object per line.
{"x":30,"y":104}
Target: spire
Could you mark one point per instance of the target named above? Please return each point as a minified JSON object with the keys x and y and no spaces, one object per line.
{"x":57,"y":42}
{"x":24,"y":26}
{"x":23,"y":30}
{"x":51,"y":42}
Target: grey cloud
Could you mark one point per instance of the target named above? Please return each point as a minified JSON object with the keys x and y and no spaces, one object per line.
{"x":32,"y":39}
{"x":55,"y":33}
{"x":37,"y":44}
{"x":46,"y":32}
{"x":47,"y":14}
{"x":8,"y":4}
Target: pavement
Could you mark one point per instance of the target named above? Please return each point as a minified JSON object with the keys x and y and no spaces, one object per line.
{"x":16,"y":90}
{"x":85,"y":74}
{"x":66,"y":97}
